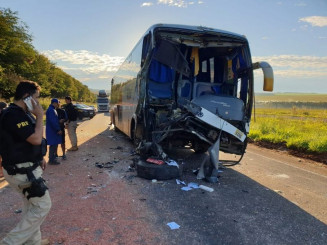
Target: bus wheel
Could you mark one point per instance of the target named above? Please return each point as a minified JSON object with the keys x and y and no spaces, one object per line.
{"x":159,"y":172}
{"x":112,"y":118}
{"x":134,"y":134}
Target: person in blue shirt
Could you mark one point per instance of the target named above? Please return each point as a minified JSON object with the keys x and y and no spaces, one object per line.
{"x":62,"y":116}
{"x":53,"y":131}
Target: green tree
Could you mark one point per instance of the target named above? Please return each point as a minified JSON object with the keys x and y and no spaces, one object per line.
{"x":19,"y":60}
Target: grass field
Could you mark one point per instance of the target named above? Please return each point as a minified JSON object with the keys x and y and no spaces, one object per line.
{"x":298,"y":128}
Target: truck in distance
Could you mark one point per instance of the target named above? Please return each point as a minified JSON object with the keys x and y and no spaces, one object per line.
{"x":102,"y":101}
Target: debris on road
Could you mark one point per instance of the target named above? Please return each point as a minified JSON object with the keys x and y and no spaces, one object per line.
{"x":155,"y":161}
{"x":99,"y":165}
{"x":193,"y":185}
{"x":179,"y":182}
{"x":154,"y":181}
{"x":105,"y":165}
{"x":172,"y":163}
{"x":130,"y":169}
{"x":186,"y":188}
{"x":190,"y":186}
{"x":206,"y":188}
{"x":173,"y":225}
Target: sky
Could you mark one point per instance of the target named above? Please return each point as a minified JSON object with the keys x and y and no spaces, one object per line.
{"x":90,"y":39}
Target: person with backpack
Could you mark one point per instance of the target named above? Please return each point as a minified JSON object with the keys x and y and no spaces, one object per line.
{"x":22,"y":149}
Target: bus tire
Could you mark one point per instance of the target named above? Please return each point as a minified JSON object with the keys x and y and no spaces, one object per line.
{"x":112,"y":115}
{"x":159,"y":172}
{"x":135,"y":134}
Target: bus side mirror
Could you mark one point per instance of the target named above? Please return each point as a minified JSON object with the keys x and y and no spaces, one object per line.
{"x":268,"y":75}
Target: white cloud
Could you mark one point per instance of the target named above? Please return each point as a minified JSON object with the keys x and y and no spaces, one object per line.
{"x":300,"y":73}
{"x":300,"y":4}
{"x":93,"y":69}
{"x":146,"y":4}
{"x":320,"y":21}
{"x":86,"y":61}
{"x":178,"y":3}
{"x":296,"y":66}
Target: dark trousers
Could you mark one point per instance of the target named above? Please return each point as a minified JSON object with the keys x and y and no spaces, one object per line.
{"x":52,"y":152}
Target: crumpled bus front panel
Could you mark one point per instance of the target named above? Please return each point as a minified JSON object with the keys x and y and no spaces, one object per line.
{"x":205,"y":72}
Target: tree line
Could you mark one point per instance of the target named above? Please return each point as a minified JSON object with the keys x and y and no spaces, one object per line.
{"x":19,"y":60}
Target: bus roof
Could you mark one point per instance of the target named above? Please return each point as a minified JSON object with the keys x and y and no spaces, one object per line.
{"x":198,"y":29}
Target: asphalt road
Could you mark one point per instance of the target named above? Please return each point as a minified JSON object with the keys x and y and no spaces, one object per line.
{"x":270,"y":198}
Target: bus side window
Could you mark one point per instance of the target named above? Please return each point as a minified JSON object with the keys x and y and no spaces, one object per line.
{"x":145,"y":47}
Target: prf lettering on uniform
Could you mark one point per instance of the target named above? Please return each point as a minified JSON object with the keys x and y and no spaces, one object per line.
{"x":22,"y":124}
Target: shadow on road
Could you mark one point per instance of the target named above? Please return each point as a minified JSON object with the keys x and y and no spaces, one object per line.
{"x":239,"y":211}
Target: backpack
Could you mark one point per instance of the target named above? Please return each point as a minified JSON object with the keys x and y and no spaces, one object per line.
{"x":4,"y":144}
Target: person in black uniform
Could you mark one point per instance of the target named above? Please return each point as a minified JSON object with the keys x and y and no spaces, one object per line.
{"x":71,"y":123}
{"x":62,"y":116}
{"x":22,"y":149}
{"x":3,"y":105}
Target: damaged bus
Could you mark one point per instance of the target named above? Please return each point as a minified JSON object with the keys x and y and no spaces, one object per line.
{"x":187,"y":86}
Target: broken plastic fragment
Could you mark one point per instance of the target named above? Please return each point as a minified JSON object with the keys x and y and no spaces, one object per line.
{"x":173,"y":225}
{"x":186,"y":188}
{"x":172,"y":163}
{"x":180,"y":182}
{"x":193,"y":185}
{"x":206,"y":188}
{"x":155,"y":161}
